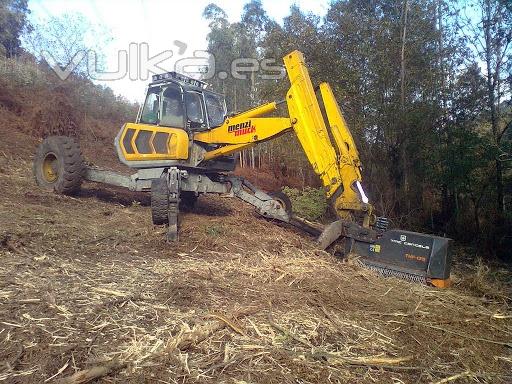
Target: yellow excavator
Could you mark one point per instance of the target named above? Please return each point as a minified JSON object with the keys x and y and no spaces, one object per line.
{"x":182,"y":145}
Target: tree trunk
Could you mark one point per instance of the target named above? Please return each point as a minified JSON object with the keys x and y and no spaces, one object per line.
{"x":477,"y":219}
{"x":402,"y":54}
{"x":492,"y":79}
{"x":403,"y":153}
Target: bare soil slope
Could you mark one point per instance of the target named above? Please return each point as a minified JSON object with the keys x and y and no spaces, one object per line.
{"x":89,"y":282}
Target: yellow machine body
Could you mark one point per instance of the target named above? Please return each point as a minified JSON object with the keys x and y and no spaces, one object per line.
{"x":336,"y":163}
{"x":145,"y":142}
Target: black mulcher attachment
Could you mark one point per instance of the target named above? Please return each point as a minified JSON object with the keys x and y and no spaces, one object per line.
{"x":407,"y":255}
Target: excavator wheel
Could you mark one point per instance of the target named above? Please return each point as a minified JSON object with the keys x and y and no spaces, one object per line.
{"x":160,"y":201}
{"x":59,"y":165}
{"x":283,"y":200}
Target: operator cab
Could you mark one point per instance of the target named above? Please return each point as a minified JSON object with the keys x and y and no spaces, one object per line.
{"x":177,"y":101}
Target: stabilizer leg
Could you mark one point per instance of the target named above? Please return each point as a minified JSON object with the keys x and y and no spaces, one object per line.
{"x":173,"y":182}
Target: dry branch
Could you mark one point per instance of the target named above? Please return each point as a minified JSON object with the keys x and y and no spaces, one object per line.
{"x":454,"y":377}
{"x":286,"y":332}
{"x":334,"y":358}
{"x":93,"y":373}
{"x":230,"y":323}
{"x":378,"y":362}
{"x":201,"y":332}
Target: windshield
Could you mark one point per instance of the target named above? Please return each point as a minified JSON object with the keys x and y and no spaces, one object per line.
{"x":172,"y":108}
{"x":216,"y":108}
{"x":150,"y":110}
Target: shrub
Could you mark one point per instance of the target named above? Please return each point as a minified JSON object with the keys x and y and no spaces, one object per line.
{"x":56,"y":116}
{"x":309,"y":203}
{"x":21,"y":72}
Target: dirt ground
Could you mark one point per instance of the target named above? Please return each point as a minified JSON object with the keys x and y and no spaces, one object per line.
{"x":87,"y":282}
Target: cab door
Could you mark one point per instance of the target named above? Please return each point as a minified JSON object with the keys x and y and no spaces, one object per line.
{"x":196,"y":116}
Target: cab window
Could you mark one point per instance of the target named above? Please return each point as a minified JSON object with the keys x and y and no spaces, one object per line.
{"x":216,"y":109}
{"x":150,"y":110}
{"x":195,"y":113}
{"x":172,"y":108}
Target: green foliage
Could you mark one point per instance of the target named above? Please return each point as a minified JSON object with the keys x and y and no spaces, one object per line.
{"x":408,"y":78}
{"x":229,"y":41}
{"x":309,"y":203}
{"x":13,"y":22}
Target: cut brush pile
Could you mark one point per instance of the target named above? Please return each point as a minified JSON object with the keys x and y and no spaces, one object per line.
{"x":89,"y":290}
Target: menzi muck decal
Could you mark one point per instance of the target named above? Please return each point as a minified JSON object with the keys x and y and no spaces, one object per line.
{"x":242,"y":128}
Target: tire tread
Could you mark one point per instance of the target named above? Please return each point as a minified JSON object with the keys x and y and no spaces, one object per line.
{"x":71,"y":163}
{"x":159,"y":202}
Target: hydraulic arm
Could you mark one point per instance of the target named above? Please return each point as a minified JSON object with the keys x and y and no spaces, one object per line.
{"x":329,"y":146}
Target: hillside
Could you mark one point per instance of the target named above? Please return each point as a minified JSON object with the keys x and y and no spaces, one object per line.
{"x":87,"y":282}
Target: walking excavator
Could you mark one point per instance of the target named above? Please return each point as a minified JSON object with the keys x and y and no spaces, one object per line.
{"x":182,"y":145}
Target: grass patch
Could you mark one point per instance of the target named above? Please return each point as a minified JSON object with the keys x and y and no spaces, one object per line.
{"x":215,"y":230}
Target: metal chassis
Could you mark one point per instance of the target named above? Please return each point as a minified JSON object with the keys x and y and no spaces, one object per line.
{"x":184,"y":180}
{"x":191,"y":180}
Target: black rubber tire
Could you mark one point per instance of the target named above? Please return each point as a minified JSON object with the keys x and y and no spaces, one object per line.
{"x":68,"y":165}
{"x":283,"y":200}
{"x":159,"y":202}
{"x":188,"y":199}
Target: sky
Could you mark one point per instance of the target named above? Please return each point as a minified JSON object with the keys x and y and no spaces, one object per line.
{"x":158,"y":23}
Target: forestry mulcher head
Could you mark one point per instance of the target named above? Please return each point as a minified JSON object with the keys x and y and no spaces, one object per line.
{"x":183,"y":143}
{"x":407,"y":255}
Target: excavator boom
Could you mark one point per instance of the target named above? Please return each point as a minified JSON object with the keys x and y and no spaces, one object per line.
{"x":336,"y":163}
